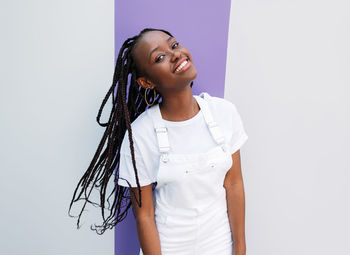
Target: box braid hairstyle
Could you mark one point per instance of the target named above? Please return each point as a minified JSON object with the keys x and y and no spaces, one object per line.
{"x":125,"y":109}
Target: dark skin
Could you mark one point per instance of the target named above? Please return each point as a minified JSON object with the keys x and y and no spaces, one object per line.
{"x":178,"y":104}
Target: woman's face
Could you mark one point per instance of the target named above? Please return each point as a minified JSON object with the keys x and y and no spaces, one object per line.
{"x":158,"y":55}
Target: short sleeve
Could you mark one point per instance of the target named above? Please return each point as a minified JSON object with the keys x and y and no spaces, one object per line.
{"x":126,"y":168}
{"x":238,"y":135}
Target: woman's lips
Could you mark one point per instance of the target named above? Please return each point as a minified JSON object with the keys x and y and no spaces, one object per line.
{"x":188,"y":64}
{"x":179,"y":63}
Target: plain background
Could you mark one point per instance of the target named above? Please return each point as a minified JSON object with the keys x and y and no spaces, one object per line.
{"x":57,"y":62}
{"x":287,"y":72}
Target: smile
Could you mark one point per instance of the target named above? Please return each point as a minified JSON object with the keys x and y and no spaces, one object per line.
{"x":184,"y":66}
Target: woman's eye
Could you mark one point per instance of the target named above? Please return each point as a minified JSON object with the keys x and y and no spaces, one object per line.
{"x":158,"y":58}
{"x":177,"y":44}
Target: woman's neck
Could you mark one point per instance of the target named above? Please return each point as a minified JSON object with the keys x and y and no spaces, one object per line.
{"x":179,"y":107}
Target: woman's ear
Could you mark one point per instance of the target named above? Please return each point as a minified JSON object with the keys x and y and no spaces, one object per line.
{"x":145,"y":83}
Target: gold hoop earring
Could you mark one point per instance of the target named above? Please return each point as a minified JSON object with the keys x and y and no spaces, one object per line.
{"x":153,"y":97}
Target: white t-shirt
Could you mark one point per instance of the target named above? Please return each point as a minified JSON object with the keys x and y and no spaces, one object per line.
{"x":188,"y":136}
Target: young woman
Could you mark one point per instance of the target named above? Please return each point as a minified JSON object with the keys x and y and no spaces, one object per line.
{"x":174,"y":156}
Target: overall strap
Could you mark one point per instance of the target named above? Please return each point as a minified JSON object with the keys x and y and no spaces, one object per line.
{"x":212,"y":125}
{"x":161,"y":131}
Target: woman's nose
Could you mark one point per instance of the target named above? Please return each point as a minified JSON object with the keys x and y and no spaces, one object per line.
{"x":175,"y":56}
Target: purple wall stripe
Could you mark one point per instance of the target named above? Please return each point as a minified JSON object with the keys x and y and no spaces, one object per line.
{"x":200,"y":26}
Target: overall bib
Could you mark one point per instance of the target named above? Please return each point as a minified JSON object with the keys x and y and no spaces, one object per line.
{"x":190,"y":200}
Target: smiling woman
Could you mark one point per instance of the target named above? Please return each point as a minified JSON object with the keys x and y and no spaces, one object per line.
{"x":174,"y":160}
{"x":164,"y":54}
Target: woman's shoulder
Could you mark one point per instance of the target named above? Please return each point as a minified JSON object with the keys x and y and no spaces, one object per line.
{"x":143,"y":134}
{"x":142,"y":126}
{"x":143,"y":123}
{"x":228,"y":117}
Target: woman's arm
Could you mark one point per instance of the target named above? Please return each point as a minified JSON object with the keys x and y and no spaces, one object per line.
{"x":236,"y":204}
{"x":146,"y":226}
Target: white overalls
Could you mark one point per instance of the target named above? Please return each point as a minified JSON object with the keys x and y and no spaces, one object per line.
{"x":190,"y":200}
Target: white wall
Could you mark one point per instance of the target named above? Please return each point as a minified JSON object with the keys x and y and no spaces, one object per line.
{"x":288,"y":73}
{"x":57,"y":61}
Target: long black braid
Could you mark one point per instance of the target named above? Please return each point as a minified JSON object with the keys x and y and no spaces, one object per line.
{"x":105,"y":164}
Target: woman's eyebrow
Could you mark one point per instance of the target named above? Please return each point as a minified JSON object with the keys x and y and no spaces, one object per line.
{"x":156,"y":48}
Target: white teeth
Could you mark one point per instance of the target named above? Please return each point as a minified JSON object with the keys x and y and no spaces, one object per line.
{"x":181,"y":66}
